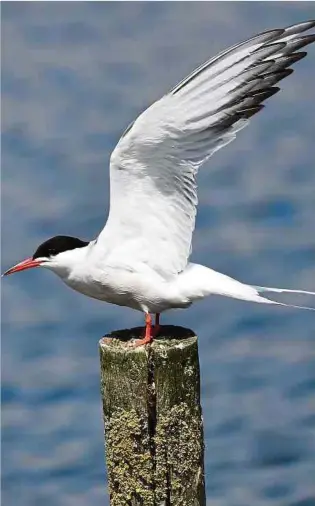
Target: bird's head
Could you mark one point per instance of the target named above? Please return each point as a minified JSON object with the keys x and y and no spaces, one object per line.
{"x":56,"y":254}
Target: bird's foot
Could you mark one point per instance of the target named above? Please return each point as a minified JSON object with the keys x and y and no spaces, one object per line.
{"x":150,"y":332}
{"x":145,"y":340}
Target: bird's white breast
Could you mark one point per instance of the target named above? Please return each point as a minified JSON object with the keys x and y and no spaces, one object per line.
{"x":139,"y":288}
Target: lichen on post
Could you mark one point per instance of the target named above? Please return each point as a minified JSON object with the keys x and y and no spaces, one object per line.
{"x":152,"y":419}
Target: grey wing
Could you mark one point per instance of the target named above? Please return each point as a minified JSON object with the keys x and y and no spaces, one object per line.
{"x":153,"y":191}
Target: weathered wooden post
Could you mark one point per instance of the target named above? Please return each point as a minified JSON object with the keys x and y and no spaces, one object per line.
{"x":152,"y":418}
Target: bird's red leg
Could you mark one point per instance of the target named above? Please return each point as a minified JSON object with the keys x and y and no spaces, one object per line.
{"x":148,"y":336}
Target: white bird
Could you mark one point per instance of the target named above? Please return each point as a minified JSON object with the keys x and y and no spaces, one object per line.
{"x":141,"y":257}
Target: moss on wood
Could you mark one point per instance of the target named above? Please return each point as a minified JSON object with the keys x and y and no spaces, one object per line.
{"x":152,"y":418}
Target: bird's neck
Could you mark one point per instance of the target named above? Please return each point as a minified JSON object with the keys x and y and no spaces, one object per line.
{"x":68,"y":262}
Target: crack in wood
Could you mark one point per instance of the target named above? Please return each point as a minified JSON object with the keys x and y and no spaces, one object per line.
{"x":152,"y":416}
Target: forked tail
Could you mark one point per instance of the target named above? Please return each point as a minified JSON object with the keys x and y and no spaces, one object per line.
{"x":197,"y":282}
{"x":265,"y":300}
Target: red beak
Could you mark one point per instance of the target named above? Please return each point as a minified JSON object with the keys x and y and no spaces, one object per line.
{"x":26,"y":264}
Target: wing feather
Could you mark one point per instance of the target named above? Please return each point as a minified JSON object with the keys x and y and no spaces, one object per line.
{"x":153,"y":191}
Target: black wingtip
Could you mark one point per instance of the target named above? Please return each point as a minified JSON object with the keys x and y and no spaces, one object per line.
{"x":294,"y":57}
{"x":281,"y":74}
{"x":263,"y":95}
{"x":300,"y":27}
{"x":251,"y":111}
{"x":302,"y":41}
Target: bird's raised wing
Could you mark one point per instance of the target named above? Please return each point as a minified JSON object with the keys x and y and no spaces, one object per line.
{"x":153,"y":192}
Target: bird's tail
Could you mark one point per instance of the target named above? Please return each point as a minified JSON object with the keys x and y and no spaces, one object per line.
{"x":197,"y":282}
{"x":265,"y":300}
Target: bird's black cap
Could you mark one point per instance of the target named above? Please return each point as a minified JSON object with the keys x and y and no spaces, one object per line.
{"x":58,"y":244}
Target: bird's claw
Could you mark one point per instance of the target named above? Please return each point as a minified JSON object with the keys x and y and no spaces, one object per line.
{"x":147,"y":339}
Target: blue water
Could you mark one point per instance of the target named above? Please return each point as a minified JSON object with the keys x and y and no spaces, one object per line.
{"x":74,"y":75}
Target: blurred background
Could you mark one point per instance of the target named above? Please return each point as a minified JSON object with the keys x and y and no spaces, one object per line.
{"x":74,"y":75}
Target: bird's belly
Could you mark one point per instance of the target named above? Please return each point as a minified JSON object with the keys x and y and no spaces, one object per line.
{"x":130,"y":289}
{"x":100,"y":291}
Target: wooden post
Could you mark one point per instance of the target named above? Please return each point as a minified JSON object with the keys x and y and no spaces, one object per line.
{"x":152,"y":417}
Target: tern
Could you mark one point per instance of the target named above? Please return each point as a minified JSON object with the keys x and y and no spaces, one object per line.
{"x":141,"y":257}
